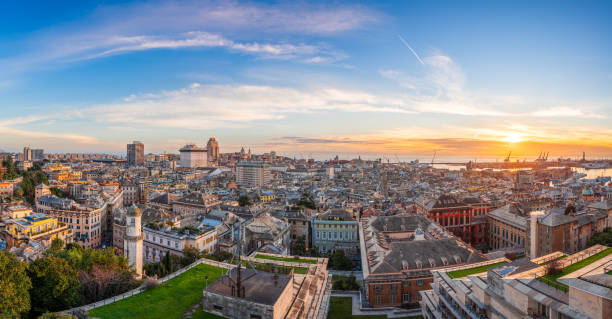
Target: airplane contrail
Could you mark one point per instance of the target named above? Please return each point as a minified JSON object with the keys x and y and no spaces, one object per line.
{"x":411,"y":50}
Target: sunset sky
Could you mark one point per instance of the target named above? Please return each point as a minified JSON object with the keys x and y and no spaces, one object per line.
{"x":381,"y":79}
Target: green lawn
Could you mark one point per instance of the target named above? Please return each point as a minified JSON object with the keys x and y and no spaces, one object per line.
{"x":288,"y":259}
{"x":340,"y":308}
{"x":471,"y":271}
{"x":169,"y":300}
{"x":551,"y":280}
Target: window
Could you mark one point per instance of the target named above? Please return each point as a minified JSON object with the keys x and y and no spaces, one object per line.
{"x":392,"y":298}
{"x":406,"y":297}
{"x":377,"y":287}
{"x":419,"y":282}
{"x":377,"y":300}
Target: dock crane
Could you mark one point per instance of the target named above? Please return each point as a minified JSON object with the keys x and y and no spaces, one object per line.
{"x":433,"y":157}
{"x":508,"y":157}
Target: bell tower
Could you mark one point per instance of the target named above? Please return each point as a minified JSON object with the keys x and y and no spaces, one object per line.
{"x":132,"y":241}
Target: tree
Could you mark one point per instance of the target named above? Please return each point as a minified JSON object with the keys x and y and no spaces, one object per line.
{"x":190,"y":255}
{"x":307,"y":201}
{"x":31,"y":178}
{"x":603,"y":238}
{"x":14,"y":285}
{"x":298,"y":246}
{"x":103,"y":281}
{"x":338,"y":261}
{"x":11,"y":170}
{"x":244,"y":200}
{"x":55,"y":285}
{"x":570,"y":209}
{"x":56,"y":246}
{"x":344,"y":283}
{"x":57,"y":192}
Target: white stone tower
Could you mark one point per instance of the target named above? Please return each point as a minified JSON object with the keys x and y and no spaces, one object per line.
{"x":132,"y":241}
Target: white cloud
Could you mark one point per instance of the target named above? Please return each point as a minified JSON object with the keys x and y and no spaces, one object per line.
{"x":119,"y":45}
{"x":172,"y":25}
{"x":564,"y":111}
{"x":442,"y":89}
{"x":212,"y":106}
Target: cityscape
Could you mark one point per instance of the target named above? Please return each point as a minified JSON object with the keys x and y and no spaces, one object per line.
{"x":315,"y":160}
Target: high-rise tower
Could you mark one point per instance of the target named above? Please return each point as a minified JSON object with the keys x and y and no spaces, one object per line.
{"x":132,"y":241}
{"x":135,"y":153}
{"x":213,"y":149}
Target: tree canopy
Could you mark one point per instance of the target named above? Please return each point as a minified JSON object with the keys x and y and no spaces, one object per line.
{"x":55,"y":285}
{"x":307,"y":201}
{"x":244,"y":200}
{"x":14,"y":286}
{"x":338,"y":261}
{"x":603,"y":238}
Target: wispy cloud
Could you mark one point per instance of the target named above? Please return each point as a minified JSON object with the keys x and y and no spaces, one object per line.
{"x":214,"y":106}
{"x":194,"y":39}
{"x":238,"y":27}
{"x":442,"y":89}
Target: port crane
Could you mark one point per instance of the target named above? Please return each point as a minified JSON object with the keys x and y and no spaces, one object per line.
{"x":508,"y":157}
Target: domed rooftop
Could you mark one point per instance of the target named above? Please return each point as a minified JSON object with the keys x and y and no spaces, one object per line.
{"x":134,"y":211}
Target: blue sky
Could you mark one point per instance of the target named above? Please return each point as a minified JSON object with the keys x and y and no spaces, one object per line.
{"x":471,"y":78}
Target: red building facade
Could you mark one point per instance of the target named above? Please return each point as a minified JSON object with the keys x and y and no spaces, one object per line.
{"x":464,"y":217}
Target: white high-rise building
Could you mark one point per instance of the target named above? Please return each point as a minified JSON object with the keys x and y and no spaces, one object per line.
{"x":193,"y":156}
{"x":253,"y":174}
{"x":132,"y":242}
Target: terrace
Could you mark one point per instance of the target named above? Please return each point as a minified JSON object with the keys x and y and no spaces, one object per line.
{"x":295,"y":259}
{"x":460,"y":273}
{"x":552,"y":279}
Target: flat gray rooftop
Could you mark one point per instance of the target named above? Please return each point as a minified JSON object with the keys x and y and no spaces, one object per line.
{"x":260,"y":287}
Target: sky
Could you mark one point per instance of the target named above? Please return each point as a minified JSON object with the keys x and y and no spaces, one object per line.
{"x":388,"y":79}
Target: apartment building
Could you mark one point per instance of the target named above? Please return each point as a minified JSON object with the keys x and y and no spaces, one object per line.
{"x":135,"y":153}
{"x":91,"y":221}
{"x":194,"y":204}
{"x":161,"y":240}
{"x":464,"y":217}
{"x":34,"y":228}
{"x":336,"y":229}
{"x":398,"y":252}
{"x":554,"y":230}
{"x":517,"y":289}
{"x":252,"y":174}
{"x":193,"y":156}
{"x":507,"y":226}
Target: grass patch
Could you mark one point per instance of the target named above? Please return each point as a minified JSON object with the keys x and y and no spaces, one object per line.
{"x":288,"y":259}
{"x":471,"y":271}
{"x":341,"y":308}
{"x":551,"y":280}
{"x":169,"y":300}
